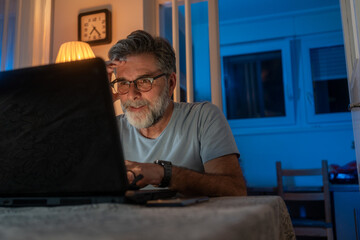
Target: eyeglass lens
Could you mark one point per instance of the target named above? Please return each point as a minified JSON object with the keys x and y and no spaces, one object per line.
{"x":142,"y":84}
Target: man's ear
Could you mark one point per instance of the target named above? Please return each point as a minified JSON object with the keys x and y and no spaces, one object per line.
{"x":172,"y":83}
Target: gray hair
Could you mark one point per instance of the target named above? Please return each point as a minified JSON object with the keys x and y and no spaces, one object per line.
{"x":140,"y":42}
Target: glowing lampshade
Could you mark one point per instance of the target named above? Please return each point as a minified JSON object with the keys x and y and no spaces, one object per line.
{"x":73,"y":51}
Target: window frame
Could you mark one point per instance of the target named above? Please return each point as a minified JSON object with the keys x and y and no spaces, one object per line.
{"x":282,"y":45}
{"x":307,"y":43}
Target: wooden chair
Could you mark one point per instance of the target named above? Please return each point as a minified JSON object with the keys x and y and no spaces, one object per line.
{"x":308,"y":227}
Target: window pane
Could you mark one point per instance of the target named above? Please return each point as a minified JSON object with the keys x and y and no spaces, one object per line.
{"x":200,"y":47}
{"x":329,"y":78}
{"x":331,"y":96}
{"x":254,"y":85}
{"x":166,"y":32}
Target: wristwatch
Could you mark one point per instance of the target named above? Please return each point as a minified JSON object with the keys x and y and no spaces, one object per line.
{"x":165,"y":182}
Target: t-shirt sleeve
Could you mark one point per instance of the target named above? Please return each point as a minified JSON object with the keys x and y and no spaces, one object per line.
{"x":215,"y":135}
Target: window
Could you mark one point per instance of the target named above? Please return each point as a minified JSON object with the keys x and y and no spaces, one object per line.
{"x":24,"y":26}
{"x":328,"y":70}
{"x":325,"y":78}
{"x":166,"y":32}
{"x":200,"y":47}
{"x":254,"y":85}
{"x":257,"y":84}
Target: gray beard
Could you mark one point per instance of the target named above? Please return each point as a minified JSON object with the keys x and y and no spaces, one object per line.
{"x":152,"y":115}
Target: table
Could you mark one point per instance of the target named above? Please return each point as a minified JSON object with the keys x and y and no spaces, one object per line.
{"x":255,"y":217}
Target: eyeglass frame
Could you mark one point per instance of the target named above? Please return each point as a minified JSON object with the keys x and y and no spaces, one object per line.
{"x":152,"y":79}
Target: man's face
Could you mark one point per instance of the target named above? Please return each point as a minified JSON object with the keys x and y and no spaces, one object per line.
{"x":143,"y":109}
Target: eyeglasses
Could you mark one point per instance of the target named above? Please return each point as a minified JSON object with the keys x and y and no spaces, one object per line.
{"x":143,"y":84}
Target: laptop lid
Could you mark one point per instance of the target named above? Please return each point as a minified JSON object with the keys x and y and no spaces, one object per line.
{"x":58,"y":132}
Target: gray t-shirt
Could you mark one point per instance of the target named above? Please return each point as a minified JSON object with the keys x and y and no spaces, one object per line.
{"x":196,"y":133}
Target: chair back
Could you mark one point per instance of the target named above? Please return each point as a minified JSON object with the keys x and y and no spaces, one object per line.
{"x":321,"y":193}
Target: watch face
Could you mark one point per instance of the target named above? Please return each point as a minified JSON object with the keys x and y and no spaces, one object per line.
{"x":94,"y":27}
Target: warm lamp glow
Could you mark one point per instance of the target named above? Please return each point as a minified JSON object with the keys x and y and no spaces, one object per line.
{"x":73,"y":51}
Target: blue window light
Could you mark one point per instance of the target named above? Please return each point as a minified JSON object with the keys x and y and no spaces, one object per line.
{"x":254,"y":85}
{"x":258,"y":88}
{"x":325,"y":79}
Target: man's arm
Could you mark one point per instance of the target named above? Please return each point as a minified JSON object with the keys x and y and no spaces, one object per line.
{"x":222,"y":177}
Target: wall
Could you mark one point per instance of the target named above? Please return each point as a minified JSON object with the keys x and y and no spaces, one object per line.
{"x":303,"y":144}
{"x":127,"y":15}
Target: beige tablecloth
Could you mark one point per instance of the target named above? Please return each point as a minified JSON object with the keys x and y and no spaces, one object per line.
{"x":258,"y":217}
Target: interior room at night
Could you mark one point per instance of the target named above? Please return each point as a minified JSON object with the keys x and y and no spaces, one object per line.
{"x":284,"y":74}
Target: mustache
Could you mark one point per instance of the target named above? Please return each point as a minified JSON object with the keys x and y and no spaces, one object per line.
{"x":136,"y":104}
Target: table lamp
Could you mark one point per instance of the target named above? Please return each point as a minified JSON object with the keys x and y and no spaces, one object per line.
{"x":73,"y":51}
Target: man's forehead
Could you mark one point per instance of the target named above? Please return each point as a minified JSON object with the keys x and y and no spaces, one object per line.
{"x":124,"y":66}
{"x":139,"y":64}
{"x":147,"y":57}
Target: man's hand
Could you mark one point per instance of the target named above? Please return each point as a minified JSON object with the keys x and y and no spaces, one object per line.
{"x":153,"y":173}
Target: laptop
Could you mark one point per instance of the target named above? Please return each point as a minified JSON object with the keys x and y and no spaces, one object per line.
{"x":59,"y":139}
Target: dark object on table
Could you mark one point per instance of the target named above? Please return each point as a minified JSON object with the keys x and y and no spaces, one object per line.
{"x":346,"y":174}
{"x":176,"y":202}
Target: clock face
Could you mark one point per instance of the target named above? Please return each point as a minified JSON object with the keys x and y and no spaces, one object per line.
{"x":94,"y":27}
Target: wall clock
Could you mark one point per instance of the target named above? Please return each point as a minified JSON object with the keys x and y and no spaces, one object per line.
{"x":95,"y":27}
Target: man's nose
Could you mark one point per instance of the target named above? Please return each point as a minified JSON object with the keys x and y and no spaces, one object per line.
{"x":133,"y":91}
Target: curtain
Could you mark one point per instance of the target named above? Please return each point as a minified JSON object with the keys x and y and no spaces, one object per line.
{"x":24,"y":33}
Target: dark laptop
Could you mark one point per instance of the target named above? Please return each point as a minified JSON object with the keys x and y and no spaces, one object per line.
{"x":59,"y":139}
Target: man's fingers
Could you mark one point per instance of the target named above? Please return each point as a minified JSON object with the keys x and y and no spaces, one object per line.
{"x":130,"y":176}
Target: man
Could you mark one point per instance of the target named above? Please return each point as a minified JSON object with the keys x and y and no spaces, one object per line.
{"x":193,"y":140}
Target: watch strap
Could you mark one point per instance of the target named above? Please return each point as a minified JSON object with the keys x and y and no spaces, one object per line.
{"x":165,"y":182}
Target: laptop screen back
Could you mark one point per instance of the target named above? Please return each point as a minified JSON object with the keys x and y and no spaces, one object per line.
{"x":58,"y":133}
